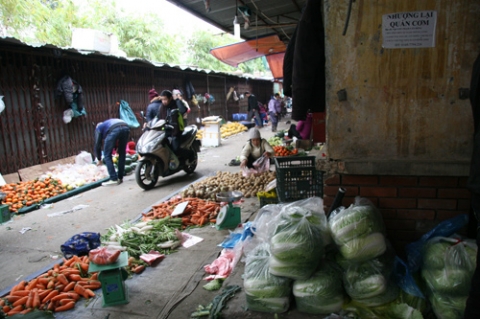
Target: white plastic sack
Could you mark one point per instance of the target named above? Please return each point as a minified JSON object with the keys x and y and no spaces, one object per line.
{"x":83,"y":158}
{"x":67,"y":116}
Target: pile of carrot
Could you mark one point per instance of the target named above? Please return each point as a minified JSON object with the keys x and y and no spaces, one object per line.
{"x":30,"y":192}
{"x":56,"y":290}
{"x":197,"y":213}
{"x":284,"y":151}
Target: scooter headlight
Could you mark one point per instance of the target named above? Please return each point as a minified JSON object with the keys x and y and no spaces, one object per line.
{"x":150,"y":147}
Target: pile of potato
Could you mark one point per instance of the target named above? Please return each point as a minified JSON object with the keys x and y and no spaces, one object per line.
{"x":227,"y":182}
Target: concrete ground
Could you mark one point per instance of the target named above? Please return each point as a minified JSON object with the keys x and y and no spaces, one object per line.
{"x":171,"y":289}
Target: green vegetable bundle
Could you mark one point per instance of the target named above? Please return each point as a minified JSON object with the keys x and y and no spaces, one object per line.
{"x":322,"y":293}
{"x":448,"y":266}
{"x":265,"y":292}
{"x":358,"y":231}
{"x":297,"y":244}
{"x":370,"y":282}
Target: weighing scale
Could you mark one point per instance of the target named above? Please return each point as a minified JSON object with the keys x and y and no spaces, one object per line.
{"x":229,"y":215}
{"x":112,"y":277}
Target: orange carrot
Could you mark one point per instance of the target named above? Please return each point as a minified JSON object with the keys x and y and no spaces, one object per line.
{"x":84,"y":267}
{"x":62,"y":279}
{"x":15,"y":310}
{"x":2,"y":302}
{"x":69,"y":286}
{"x":31,"y":284}
{"x":89,"y":292}
{"x":81,"y":291}
{"x":94,"y":276}
{"x":65,"y":307}
{"x":29,"y":303}
{"x":36,"y":300}
{"x":65,"y":301}
{"x":12,"y":299}
{"x":43,"y":293}
{"x":52,"y":294}
{"x":21,"y":293}
{"x":22,"y":301}
{"x":19,"y":286}
{"x":41,"y":287}
{"x":75,"y":277}
{"x":43,"y":280}
{"x":51,"y":284}
{"x":60,"y":297}
{"x":60,"y":287}
{"x":6,"y":309}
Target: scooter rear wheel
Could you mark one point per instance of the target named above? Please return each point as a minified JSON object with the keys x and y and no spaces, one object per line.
{"x":145,"y":180}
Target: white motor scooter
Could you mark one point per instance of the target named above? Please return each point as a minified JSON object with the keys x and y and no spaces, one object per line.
{"x":157,"y":157}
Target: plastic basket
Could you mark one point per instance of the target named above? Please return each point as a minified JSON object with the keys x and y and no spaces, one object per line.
{"x":297,"y":178}
{"x":267,"y":200}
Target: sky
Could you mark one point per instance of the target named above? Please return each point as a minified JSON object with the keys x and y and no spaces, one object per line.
{"x":175,"y":18}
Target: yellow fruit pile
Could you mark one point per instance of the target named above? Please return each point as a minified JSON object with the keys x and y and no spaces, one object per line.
{"x":199,"y":134}
{"x":231,"y":128}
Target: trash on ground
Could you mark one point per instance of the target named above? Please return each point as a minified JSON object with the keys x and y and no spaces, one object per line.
{"x":74,"y":209}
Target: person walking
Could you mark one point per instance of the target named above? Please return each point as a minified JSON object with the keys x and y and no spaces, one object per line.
{"x":253,"y":109}
{"x":113,"y":133}
{"x":274,"y":110}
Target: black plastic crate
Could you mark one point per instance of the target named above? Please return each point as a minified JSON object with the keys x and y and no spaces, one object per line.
{"x":267,"y":200}
{"x":297,"y":178}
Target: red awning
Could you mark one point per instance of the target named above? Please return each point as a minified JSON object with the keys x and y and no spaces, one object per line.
{"x":271,"y":47}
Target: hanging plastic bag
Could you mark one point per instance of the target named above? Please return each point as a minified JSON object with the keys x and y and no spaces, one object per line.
{"x":67,"y":116}
{"x":127,"y":115}
{"x":262,"y":164}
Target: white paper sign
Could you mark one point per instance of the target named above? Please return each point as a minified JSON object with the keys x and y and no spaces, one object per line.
{"x":409,"y":29}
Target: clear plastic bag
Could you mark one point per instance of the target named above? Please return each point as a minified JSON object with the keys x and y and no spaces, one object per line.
{"x":297,"y":244}
{"x":262,"y":164}
{"x":264,"y":291}
{"x":358,"y":230}
{"x":444,"y":229}
{"x":448,"y":267}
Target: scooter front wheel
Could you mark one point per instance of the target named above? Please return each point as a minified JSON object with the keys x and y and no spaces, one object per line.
{"x":146,"y":174}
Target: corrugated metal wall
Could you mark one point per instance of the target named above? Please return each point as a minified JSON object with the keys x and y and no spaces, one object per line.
{"x":32,"y":129}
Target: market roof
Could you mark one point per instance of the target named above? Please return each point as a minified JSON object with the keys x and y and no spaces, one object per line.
{"x":267,"y":17}
{"x":4,"y":41}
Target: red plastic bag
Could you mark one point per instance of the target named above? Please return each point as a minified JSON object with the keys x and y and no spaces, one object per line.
{"x":104,"y":255}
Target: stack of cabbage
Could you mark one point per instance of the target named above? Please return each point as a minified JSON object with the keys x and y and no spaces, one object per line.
{"x":358,"y":231}
{"x":322,"y":293}
{"x":448,"y":266}
{"x":265,"y":292}
{"x":297,"y":245}
{"x":370,"y":282}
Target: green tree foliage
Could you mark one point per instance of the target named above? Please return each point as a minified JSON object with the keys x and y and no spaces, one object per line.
{"x":53,"y":21}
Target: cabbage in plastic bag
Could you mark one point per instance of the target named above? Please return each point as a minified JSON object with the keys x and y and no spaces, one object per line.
{"x":297,"y":243}
{"x":322,"y":293}
{"x":265,"y":292}
{"x":358,"y":230}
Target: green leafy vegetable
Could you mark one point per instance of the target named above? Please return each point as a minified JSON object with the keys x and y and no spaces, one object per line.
{"x":322,"y":293}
